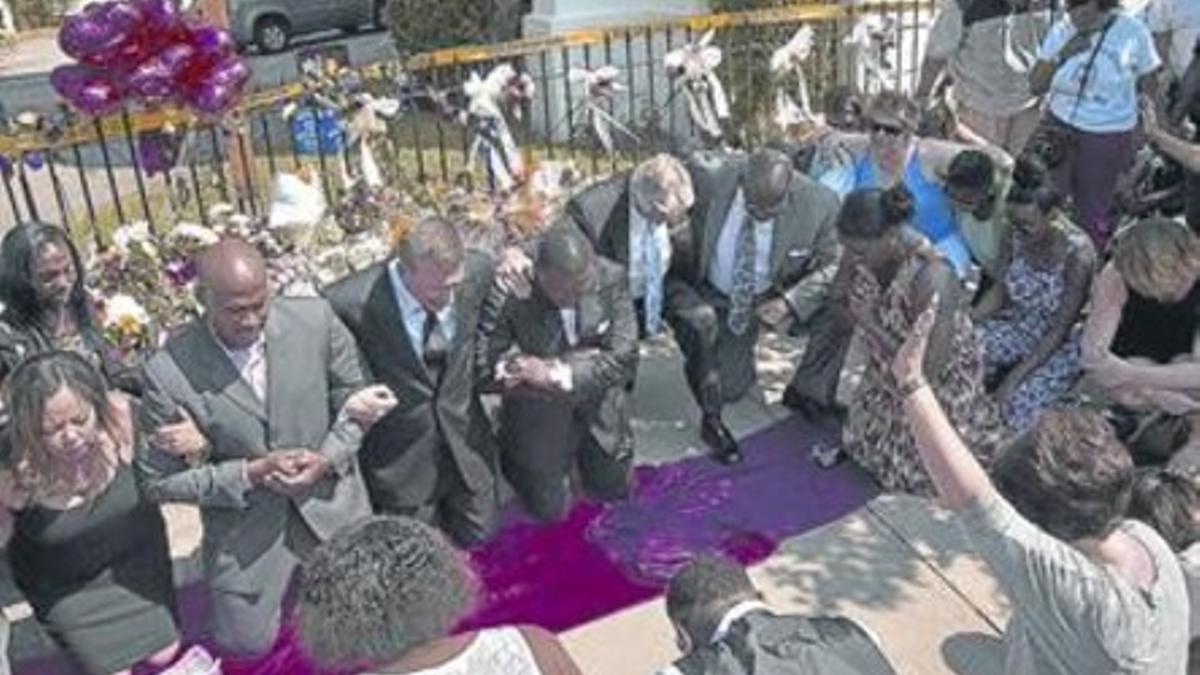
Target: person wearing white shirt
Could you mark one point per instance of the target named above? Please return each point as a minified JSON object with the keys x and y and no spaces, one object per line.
{"x":414,"y":316}
{"x":763,"y":253}
{"x":1176,"y":28}
{"x":723,"y":627}
{"x":564,"y":359}
{"x":639,"y":219}
{"x":268,"y":400}
{"x":1093,"y":67}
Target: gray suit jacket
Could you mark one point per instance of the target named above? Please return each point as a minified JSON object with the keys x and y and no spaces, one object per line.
{"x":804,"y":249}
{"x":313,"y":367}
{"x":604,"y":359}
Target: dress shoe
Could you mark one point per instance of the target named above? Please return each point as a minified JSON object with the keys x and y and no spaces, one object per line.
{"x":808,"y":408}
{"x":714,"y":433}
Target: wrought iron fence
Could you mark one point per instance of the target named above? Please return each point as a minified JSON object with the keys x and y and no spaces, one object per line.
{"x":164,"y":165}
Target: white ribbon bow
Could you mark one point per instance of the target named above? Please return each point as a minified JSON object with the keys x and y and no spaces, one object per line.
{"x":600,"y":87}
{"x":787,"y":62}
{"x":694,"y":67}
{"x":489,"y":100}
{"x":874,"y":39}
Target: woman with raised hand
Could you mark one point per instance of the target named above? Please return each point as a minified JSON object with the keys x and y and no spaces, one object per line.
{"x":886,"y":271}
{"x":1091,"y":592}
{"x":87,"y":550}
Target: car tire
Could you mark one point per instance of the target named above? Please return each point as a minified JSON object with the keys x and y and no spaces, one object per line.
{"x":272,"y":34}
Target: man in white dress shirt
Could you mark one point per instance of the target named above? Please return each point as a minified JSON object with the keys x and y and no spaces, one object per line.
{"x":564,"y":359}
{"x":414,"y":317}
{"x":764,"y":251}
{"x":639,"y":219}
{"x":255,"y":413}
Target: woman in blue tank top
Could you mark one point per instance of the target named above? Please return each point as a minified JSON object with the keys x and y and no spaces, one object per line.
{"x":889,"y":154}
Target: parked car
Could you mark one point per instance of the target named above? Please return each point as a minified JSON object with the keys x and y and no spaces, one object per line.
{"x":270,"y":25}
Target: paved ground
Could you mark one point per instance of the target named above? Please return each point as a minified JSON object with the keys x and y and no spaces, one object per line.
{"x":894,"y":564}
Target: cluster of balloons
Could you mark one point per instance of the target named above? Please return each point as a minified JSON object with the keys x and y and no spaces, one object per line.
{"x":146,"y":51}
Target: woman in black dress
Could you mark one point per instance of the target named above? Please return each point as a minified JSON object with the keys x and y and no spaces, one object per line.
{"x":88,"y":551}
{"x":1141,"y":343}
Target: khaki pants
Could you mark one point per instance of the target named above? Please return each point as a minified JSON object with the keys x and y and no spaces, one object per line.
{"x":1009,"y":132}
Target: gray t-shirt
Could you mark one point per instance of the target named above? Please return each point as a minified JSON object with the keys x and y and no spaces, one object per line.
{"x":1073,"y":616}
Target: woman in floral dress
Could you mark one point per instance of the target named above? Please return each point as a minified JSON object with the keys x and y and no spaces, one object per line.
{"x":898,"y":273}
{"x":1029,"y":325}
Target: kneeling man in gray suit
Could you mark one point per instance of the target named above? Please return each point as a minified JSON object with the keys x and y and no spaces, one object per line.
{"x":566,"y":387}
{"x":254,"y":413}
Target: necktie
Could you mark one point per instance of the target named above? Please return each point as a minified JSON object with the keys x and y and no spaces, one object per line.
{"x":741,"y":295}
{"x":434,"y":346}
{"x":256,"y":373}
{"x":652,"y":264}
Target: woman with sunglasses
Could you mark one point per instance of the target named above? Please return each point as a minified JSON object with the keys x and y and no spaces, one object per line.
{"x":1029,"y":322}
{"x":890,"y":154}
{"x":1092,"y":67}
{"x":87,"y":549}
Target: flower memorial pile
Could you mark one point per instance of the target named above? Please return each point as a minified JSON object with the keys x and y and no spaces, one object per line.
{"x":144,"y":281}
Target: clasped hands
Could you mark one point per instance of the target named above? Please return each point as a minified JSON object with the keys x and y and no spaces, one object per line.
{"x":288,"y":472}
{"x":369,"y":405}
{"x":531,"y":372}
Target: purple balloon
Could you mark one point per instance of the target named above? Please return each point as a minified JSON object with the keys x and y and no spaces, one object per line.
{"x":160,"y":15}
{"x":98,"y":97}
{"x":99,"y":31}
{"x":213,"y":98}
{"x":88,"y":90}
{"x":233,"y":72}
{"x":157,"y":78}
{"x":211,"y":41}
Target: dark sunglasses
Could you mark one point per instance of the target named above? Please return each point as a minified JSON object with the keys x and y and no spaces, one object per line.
{"x":886,"y":129}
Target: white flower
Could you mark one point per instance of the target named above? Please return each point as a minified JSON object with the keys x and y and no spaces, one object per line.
{"x":136,"y":235}
{"x":123,"y":312}
{"x":193,"y":234}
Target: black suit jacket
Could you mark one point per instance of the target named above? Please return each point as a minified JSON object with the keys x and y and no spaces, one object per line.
{"x":804,"y":249}
{"x":401,"y":454}
{"x":603,"y":361}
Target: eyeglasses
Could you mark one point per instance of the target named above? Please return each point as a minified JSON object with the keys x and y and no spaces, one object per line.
{"x":886,"y":129}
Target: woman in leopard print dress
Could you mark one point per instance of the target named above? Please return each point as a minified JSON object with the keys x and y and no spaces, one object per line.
{"x":897,"y":274}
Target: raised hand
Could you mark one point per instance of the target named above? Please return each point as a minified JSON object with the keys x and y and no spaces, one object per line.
{"x":908,"y":365}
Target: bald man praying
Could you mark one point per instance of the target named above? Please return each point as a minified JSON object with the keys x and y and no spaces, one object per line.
{"x":255,"y":412}
{"x":764,"y":252}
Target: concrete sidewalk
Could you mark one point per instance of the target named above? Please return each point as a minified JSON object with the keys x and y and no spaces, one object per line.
{"x":896,"y":565}
{"x":933,"y":614}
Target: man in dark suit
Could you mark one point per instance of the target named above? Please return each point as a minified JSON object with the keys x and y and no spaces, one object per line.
{"x":724,"y":628}
{"x":566,"y":389}
{"x":638,"y":219}
{"x":414,"y":317}
{"x":764,"y":252}
{"x":266,"y":399}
